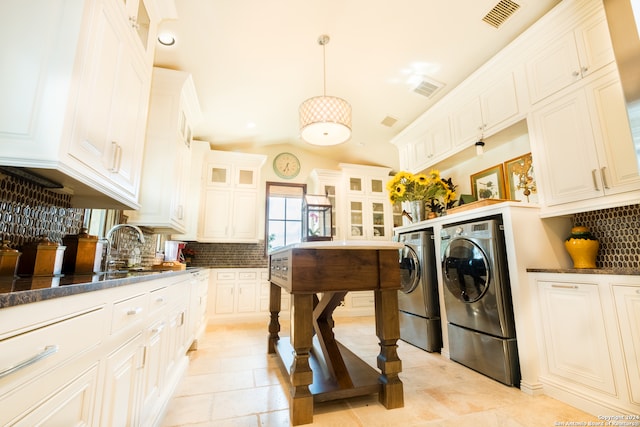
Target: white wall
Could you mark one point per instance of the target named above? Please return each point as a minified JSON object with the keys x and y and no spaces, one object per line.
{"x":499,"y":148}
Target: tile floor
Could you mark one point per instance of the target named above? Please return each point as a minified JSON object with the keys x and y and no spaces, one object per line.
{"x":233,"y":382}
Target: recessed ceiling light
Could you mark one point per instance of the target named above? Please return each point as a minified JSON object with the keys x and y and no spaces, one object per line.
{"x":166,"y":39}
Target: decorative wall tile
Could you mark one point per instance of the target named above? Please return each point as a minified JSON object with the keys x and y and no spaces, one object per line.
{"x":28,"y":211}
{"x":618,"y":230}
{"x":229,"y":255}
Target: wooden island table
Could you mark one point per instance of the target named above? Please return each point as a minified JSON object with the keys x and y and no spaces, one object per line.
{"x":318,"y":275}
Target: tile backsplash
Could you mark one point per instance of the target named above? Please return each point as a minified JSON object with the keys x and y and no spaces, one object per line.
{"x":229,"y":255}
{"x":618,"y":230}
{"x":28,"y":211}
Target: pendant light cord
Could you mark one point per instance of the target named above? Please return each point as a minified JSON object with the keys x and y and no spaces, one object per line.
{"x":322,"y":41}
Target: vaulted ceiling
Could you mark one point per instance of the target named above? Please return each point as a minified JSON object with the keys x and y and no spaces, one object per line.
{"x":254,"y":62}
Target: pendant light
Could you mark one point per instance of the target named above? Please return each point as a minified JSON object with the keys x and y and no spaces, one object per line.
{"x":325,"y":120}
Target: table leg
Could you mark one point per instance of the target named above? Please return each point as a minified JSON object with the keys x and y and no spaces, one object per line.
{"x":388,"y":332}
{"x":301,"y":376}
{"x":274,"y":323}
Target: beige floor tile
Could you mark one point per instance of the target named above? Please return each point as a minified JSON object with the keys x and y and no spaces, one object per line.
{"x":232,"y":382}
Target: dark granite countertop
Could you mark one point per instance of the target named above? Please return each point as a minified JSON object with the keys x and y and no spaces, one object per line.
{"x":611,"y":271}
{"x":25,"y":290}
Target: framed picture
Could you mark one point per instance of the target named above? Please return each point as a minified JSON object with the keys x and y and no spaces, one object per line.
{"x":488,"y":184}
{"x":520,"y":179}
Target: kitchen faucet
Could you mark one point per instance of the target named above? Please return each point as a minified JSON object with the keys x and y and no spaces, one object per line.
{"x":109,"y":242}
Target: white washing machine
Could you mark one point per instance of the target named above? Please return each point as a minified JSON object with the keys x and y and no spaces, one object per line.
{"x":477,"y":296}
{"x":418,"y":299}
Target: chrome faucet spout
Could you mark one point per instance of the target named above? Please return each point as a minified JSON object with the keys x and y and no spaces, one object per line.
{"x":109,"y":241}
{"x":118,"y":226}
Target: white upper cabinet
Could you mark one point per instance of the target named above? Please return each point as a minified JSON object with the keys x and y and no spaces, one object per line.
{"x":76,"y":98}
{"x":434,"y":145}
{"x":571,"y":57}
{"x":585,"y":141}
{"x":229,"y":209}
{"x":479,"y":115}
{"x":174,"y":110}
{"x":458,"y":122}
{"x":137,"y":14}
{"x":111,"y":112}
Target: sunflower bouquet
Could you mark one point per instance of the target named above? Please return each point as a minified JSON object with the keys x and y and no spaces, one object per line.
{"x":437,"y":193}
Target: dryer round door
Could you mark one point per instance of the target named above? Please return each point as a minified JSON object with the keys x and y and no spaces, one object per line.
{"x":465,"y":270}
{"x":409,"y":269}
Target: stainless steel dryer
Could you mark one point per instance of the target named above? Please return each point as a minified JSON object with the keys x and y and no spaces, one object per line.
{"x":477,"y":296}
{"x":418,"y":299}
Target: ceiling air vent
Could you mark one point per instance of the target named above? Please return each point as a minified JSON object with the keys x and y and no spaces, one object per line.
{"x":389,"y":121}
{"x":428,"y":87}
{"x":500,"y":13}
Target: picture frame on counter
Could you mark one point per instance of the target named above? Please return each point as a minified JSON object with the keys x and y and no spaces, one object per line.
{"x":520,"y":179}
{"x":489,"y":183}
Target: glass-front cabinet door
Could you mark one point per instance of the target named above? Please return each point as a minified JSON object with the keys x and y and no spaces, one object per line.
{"x":376,"y":186}
{"x":378,"y":220}
{"x":356,"y":227}
{"x":367,"y":220}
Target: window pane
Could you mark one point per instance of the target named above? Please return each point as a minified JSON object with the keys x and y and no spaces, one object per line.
{"x":294,"y":232}
{"x":284,"y":214}
{"x":294,"y":209}
{"x":276,"y":233}
{"x":277,"y":208}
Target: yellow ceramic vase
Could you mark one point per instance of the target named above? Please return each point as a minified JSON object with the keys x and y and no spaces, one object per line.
{"x":582,"y":247}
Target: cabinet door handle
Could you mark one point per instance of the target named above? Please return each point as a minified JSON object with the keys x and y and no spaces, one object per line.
{"x":116,"y":158}
{"x":180,"y":212}
{"x":584,"y":69}
{"x":575,"y":73}
{"x":604,"y":177}
{"x":46,"y":352}
{"x":595,"y":180}
{"x":564,"y":286}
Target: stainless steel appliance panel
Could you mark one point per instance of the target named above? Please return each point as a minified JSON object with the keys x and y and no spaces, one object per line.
{"x":476,"y":286}
{"x":418,"y":299}
{"x":492,"y":356}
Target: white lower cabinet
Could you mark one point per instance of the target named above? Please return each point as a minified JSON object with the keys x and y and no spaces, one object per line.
{"x":240,"y":293}
{"x":48,"y":371}
{"x":72,"y":405}
{"x":110,"y":358}
{"x":589,"y":337}
{"x":243,"y":293}
{"x":627,"y":302}
{"x":123,"y":383}
{"x":574,"y":336}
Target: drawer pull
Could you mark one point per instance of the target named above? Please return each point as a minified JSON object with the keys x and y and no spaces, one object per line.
{"x":134,"y":311}
{"x":565,"y":286}
{"x":160,"y":300}
{"x":48,"y":351}
{"x":158,"y":329}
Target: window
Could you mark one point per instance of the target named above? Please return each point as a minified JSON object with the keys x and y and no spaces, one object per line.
{"x":284,"y":214}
